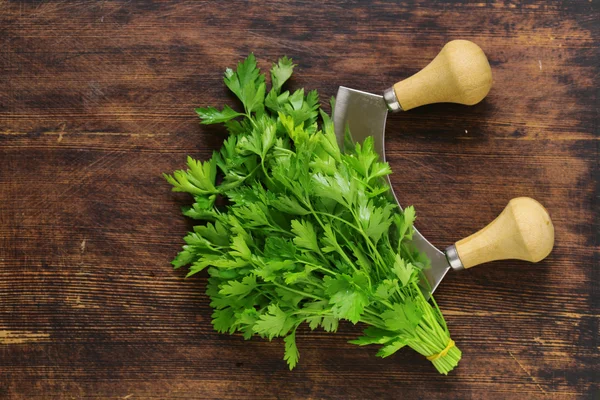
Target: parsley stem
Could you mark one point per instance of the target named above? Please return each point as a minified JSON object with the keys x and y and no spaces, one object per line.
{"x":350,"y":224}
{"x":273,"y":228}
{"x":342,"y":253}
{"x":283,"y":150}
{"x":340,"y":250}
{"x":297,"y":291}
{"x":441,"y":321}
{"x":372,"y":313}
{"x":387,"y":304}
{"x":326,"y":313}
{"x":361,"y":231}
{"x":249,"y":116}
{"x":318,"y":267}
{"x":264,"y":169}
{"x":374,"y":323}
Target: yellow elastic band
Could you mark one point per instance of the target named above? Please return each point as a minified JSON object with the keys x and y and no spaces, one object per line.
{"x":443,"y":352}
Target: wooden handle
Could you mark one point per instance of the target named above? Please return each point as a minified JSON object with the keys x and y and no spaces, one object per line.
{"x":523,"y":231}
{"x":460,"y":73}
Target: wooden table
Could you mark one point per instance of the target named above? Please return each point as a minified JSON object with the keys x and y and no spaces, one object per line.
{"x":97,"y":100}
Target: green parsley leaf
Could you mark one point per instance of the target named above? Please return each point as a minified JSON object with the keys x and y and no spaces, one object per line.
{"x":403,"y":270}
{"x":183,"y":258}
{"x":348,"y":299}
{"x":306,"y":237}
{"x":404,"y":317}
{"x":281,"y":72}
{"x":223,"y":320}
{"x":273,"y":323}
{"x":404,"y":223}
{"x":289,"y":205}
{"x":373,"y":335}
{"x":291,"y":351}
{"x":240,"y":248}
{"x":211,"y":115}
{"x":390,"y":349}
{"x":235,"y":288}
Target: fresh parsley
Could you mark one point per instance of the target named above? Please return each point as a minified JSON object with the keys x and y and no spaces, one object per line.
{"x":295,"y":230}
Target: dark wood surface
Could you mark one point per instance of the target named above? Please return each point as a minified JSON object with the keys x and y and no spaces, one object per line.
{"x":96,"y":101}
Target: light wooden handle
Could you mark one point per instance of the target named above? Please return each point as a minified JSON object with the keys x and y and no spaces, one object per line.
{"x":460,"y":73}
{"x":523,"y":231}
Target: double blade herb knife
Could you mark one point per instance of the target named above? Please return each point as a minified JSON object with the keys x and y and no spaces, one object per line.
{"x":460,"y":73}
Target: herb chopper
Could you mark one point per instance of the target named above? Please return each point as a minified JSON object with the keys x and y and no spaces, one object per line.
{"x":460,"y":73}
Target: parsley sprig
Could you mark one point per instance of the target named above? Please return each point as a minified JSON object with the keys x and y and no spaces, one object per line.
{"x":308,"y":233}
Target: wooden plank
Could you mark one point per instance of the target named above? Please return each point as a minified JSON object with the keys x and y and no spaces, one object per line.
{"x":96,"y":102}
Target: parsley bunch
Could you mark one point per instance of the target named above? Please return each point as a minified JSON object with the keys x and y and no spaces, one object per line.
{"x":295,"y":230}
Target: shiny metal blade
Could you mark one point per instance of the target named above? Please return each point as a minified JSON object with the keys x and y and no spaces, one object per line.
{"x":439,"y":263}
{"x":365,"y":115}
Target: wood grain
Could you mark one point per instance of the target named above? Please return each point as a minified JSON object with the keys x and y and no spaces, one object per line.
{"x":96,"y":101}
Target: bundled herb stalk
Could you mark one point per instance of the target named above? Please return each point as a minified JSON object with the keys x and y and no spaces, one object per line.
{"x":307,"y":233}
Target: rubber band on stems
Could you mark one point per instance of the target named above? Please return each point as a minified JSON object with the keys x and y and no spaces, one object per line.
{"x":442,"y":353}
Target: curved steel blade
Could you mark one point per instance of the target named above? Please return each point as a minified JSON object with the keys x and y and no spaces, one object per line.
{"x":365,"y":114}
